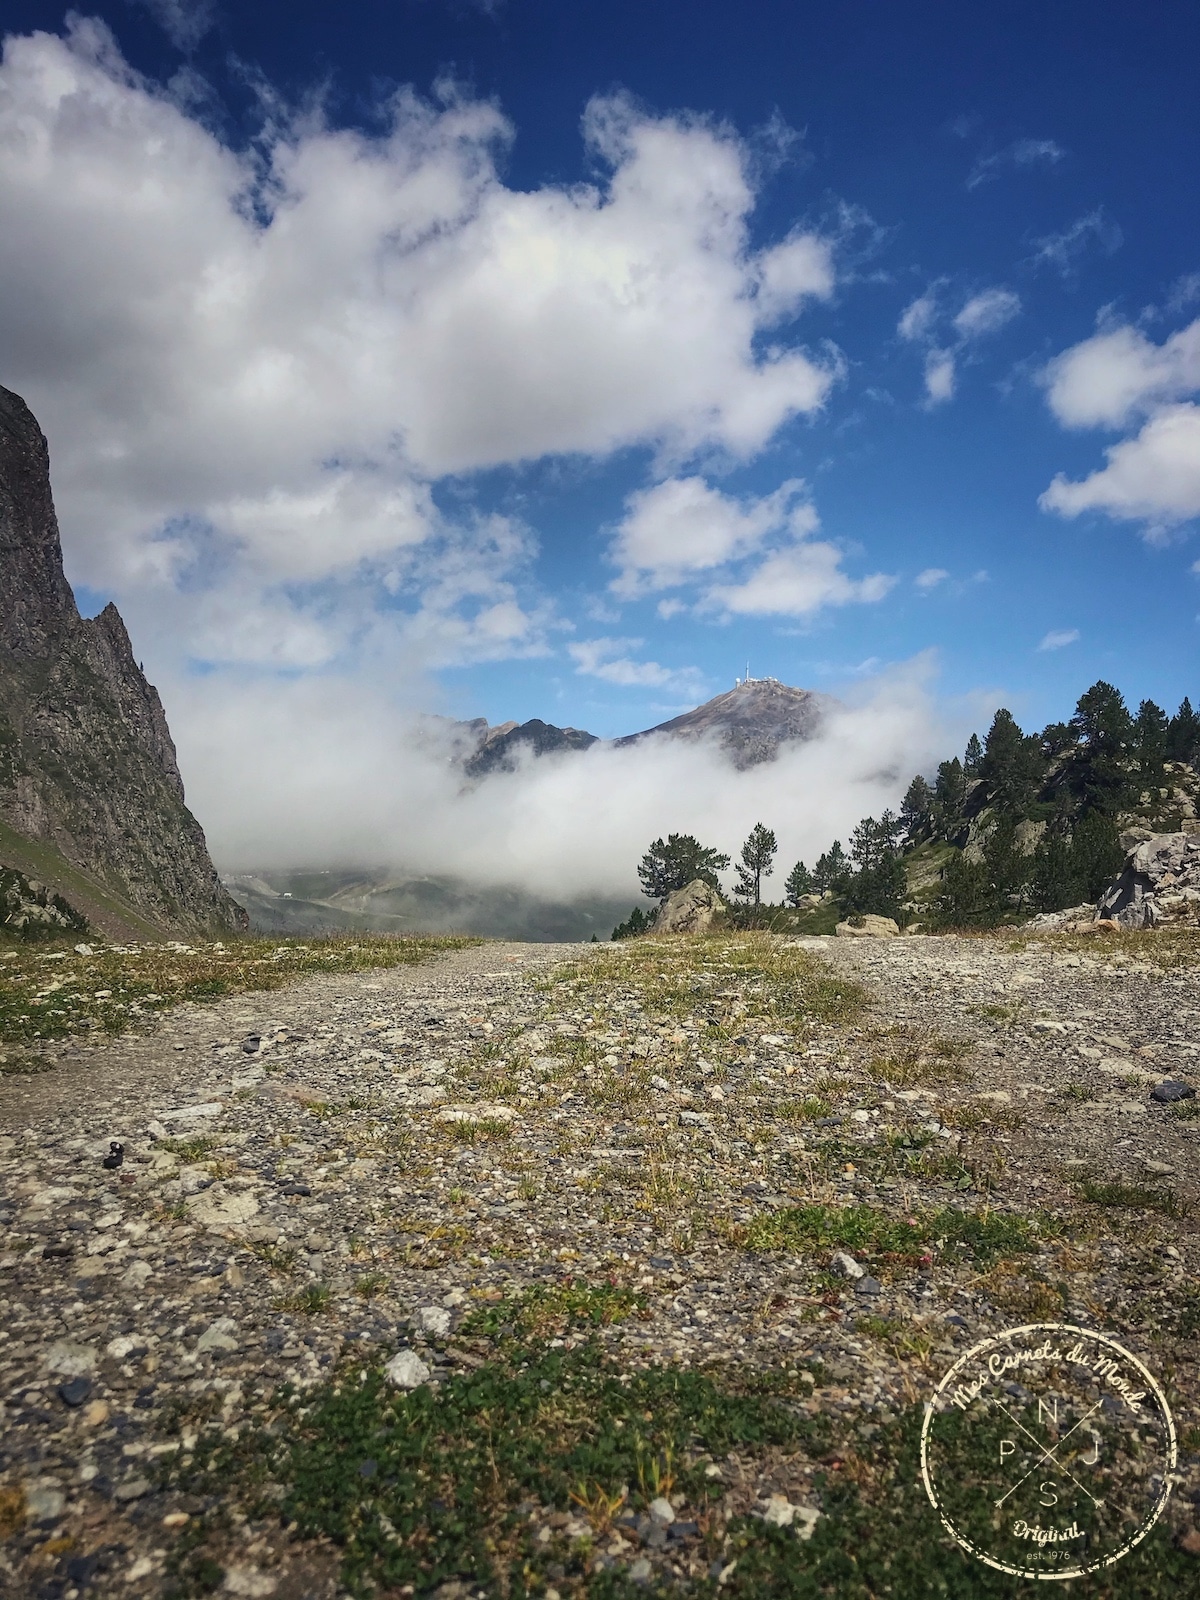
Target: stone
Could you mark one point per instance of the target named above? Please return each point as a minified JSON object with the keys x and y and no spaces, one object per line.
{"x":692,"y":909}
{"x":249,"y":1581}
{"x":868,"y":927}
{"x":44,"y":1503}
{"x":71,"y":1360}
{"x":479,"y":1111}
{"x":75,"y":1391}
{"x":845,"y":1265}
{"x":218,"y":1210}
{"x":1157,"y":1169}
{"x":434,"y":1320}
{"x":219,"y":1335}
{"x":1159,"y":883}
{"x":868,"y":1285}
{"x":132,"y":1489}
{"x":662,"y":1511}
{"x":779,"y":1511}
{"x":805,"y":1522}
{"x":406,"y":1370}
{"x":1171,"y":1092}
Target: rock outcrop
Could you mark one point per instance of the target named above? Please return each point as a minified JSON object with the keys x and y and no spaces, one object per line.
{"x":868,"y":927}
{"x":693,"y":909}
{"x":1160,"y":883}
{"x":91,"y":800}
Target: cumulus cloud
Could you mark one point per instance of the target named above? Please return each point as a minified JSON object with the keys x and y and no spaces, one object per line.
{"x":1113,"y":379}
{"x":1061,"y":251}
{"x":1152,"y":478}
{"x":255,"y":364}
{"x":1021,"y":153}
{"x":1107,"y":380}
{"x":930,"y":578}
{"x":684,"y":532}
{"x":333,"y":780}
{"x":1059,"y":638}
{"x":981,"y":314}
{"x":610,"y":661}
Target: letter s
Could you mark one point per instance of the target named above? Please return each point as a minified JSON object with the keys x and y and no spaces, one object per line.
{"x":1048,"y":1496}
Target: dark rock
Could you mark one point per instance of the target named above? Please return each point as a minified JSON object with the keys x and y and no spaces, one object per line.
{"x":75,"y":1391}
{"x":251,"y":1043}
{"x":1171,"y":1092}
{"x":59,"y":1251}
{"x":295,"y":1188}
{"x":868,"y":1285}
{"x":87,"y":766}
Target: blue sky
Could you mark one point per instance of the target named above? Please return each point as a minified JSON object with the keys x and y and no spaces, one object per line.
{"x":350,"y":376}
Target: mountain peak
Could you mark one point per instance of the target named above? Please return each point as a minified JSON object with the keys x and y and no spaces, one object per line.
{"x":752,"y":720}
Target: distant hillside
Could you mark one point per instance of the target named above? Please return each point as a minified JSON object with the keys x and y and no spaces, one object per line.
{"x":502,"y":747}
{"x":91,"y":801}
{"x":393,"y":902}
{"x":752,"y":721}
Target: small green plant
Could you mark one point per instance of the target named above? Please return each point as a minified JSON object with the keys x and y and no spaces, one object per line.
{"x":309,"y":1301}
{"x":370,"y":1284}
{"x":1130,"y":1196}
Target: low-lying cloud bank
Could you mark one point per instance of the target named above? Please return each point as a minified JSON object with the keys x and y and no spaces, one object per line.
{"x":303,"y":776}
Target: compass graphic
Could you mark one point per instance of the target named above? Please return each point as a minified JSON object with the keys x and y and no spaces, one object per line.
{"x":1048,"y":1451}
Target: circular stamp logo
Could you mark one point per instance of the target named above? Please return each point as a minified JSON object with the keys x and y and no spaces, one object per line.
{"x":1048,"y":1451}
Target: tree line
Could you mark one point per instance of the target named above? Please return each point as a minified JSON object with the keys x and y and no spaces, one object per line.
{"x":1044,"y":806}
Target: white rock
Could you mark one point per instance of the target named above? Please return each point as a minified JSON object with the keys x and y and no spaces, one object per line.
{"x":406,"y":1370}
{"x":845,"y":1265}
{"x":249,"y":1581}
{"x":43,"y":1502}
{"x":434,"y":1320}
{"x":480,"y":1111}
{"x":872,"y":927}
{"x":780,"y":1511}
{"x":662,"y":1511}
{"x":219,"y":1335}
{"x":217,"y":1210}
{"x":137,"y":1275}
{"x":72,"y":1360}
{"x":805,"y":1521}
{"x":211,"y":1108}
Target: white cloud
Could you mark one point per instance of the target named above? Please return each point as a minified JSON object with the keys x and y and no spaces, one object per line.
{"x":608,"y":660}
{"x":930,"y":578}
{"x":918,"y":316}
{"x":1021,"y":153}
{"x":304,"y":774}
{"x":939,"y":376}
{"x":1056,"y":639}
{"x":987,"y":313}
{"x":1062,"y":250}
{"x":253,"y":364}
{"x":795,"y":582}
{"x":1153,"y":477}
{"x":1185,"y":291}
{"x":1108,"y":379}
{"x":684,"y":532}
{"x":682,"y":528}
{"x":983,"y":313}
{"x":185,"y":22}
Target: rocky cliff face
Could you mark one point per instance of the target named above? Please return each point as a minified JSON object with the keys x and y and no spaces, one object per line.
{"x":88,"y":777}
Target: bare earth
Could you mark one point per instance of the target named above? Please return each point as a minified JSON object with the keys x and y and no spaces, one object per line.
{"x":413,"y":1142}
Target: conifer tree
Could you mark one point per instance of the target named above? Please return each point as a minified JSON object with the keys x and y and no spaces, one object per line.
{"x":916,"y":809}
{"x":1183,"y":736}
{"x":973,"y":759}
{"x":758,"y":854}
{"x":1150,"y":729}
{"x":675,"y":863}
{"x":798,"y":883}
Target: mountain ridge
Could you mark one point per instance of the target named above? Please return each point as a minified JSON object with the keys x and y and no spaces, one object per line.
{"x":91,"y":795}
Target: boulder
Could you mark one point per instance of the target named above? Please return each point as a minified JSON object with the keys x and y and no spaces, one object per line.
{"x":690,"y":910}
{"x":868,"y":927}
{"x":1160,"y":883}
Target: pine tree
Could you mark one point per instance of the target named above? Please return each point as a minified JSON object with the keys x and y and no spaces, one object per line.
{"x":798,"y":883}
{"x":1012,"y":765}
{"x":916,"y":809}
{"x":949,"y":792}
{"x":1150,"y":730}
{"x":973,"y":759}
{"x":830,"y":866}
{"x":679,"y":861}
{"x":1056,"y":737}
{"x":758,"y":854}
{"x":1105,"y":730}
{"x":1183,"y":736}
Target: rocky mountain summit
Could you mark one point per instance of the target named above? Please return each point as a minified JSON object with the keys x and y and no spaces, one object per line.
{"x":91,"y":800}
{"x":752,"y":721}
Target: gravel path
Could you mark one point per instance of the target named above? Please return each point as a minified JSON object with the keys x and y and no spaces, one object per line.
{"x":362,"y":1162}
